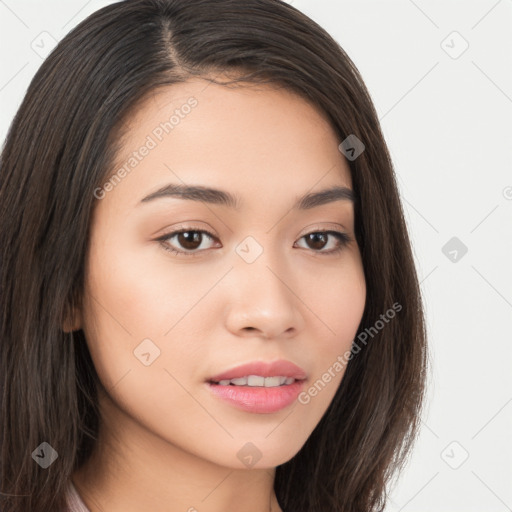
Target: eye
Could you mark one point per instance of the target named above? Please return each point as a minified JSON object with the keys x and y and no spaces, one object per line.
{"x":191,"y":241}
{"x":318,"y":240}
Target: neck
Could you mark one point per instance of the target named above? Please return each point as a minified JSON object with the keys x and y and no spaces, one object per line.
{"x":134,"y":469}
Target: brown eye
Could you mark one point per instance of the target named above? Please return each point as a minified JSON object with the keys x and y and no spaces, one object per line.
{"x":318,"y":240}
{"x":186,"y":241}
{"x":189,"y":240}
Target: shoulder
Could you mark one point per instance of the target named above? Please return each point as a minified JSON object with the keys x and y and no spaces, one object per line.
{"x":74,"y":502}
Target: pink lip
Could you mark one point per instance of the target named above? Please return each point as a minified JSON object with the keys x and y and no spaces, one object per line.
{"x":259,"y":399}
{"x":277,"y":368}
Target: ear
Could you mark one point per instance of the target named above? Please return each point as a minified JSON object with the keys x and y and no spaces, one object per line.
{"x":72,"y":320}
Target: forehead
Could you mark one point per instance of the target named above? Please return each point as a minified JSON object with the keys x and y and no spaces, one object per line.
{"x":258,"y":138}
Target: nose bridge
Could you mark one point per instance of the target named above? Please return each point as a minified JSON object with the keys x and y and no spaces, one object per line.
{"x":264,"y":297}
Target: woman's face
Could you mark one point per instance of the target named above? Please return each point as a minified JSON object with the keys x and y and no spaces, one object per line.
{"x":259,"y":289}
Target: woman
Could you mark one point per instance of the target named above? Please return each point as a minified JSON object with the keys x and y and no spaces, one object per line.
{"x":209,"y":300}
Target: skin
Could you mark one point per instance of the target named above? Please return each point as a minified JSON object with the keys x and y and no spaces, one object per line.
{"x":165,"y":442}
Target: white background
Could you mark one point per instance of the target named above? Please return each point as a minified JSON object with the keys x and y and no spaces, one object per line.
{"x":447,"y":119}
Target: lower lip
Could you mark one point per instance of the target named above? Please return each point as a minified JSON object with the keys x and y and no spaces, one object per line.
{"x":258,"y":399}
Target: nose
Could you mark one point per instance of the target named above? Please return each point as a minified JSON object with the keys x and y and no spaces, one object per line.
{"x":262,"y":300}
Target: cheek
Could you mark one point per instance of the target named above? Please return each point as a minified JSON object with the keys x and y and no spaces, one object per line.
{"x":339,"y":306}
{"x":133,"y":308}
{"x":337,"y":299}
{"x":141,"y":290}
{"x":129,"y":308}
{"x":348,"y":310}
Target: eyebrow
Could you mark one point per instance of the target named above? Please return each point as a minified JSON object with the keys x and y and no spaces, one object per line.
{"x":223,"y":198}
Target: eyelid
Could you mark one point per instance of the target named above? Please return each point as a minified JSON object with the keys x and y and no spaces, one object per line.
{"x":189,"y":226}
{"x":324,"y":226}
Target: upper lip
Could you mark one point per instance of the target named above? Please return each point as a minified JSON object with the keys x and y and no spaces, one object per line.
{"x":280,"y":368}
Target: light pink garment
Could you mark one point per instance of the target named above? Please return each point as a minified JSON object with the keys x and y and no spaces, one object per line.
{"x":75,"y":503}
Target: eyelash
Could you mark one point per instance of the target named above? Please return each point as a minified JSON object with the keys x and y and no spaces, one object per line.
{"x":343,"y":238}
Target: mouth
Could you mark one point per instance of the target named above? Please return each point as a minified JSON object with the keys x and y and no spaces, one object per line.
{"x":257,"y":381}
{"x":259,"y":387}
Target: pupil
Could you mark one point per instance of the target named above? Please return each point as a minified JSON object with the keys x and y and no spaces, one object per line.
{"x":191,"y":239}
{"x":315,"y":237}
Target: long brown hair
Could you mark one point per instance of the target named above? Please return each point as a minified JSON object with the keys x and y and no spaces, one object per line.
{"x":60,"y":147}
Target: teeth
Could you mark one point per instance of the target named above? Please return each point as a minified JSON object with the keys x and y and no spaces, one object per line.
{"x":255,"y":380}
{"x":258,"y":381}
{"x":272,"y":382}
{"x":241,"y":381}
